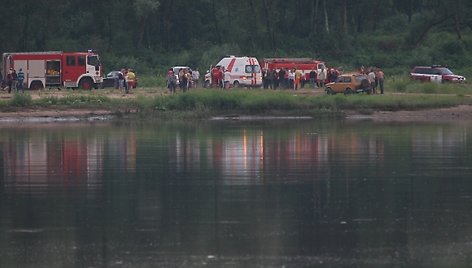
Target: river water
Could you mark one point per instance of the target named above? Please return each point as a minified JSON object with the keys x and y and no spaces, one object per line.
{"x":236,"y":193}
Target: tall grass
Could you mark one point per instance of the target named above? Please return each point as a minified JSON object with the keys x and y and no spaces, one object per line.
{"x":403,"y":84}
{"x":205,"y":102}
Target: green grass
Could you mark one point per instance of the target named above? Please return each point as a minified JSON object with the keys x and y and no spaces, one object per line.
{"x":207,"y":102}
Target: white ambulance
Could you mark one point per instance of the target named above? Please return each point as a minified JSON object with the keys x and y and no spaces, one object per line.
{"x":244,"y":71}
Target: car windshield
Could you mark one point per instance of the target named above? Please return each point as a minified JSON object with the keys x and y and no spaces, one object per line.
{"x":445,"y":71}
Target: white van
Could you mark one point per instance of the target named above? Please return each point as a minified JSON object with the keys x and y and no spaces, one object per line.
{"x":244,"y":71}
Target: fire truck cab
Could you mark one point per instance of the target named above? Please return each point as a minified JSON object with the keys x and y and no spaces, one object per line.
{"x":56,"y":68}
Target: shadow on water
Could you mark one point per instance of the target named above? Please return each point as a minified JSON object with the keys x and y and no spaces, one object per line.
{"x":283,"y":193}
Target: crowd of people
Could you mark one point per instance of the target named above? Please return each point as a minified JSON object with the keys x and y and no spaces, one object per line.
{"x":184,"y":78}
{"x":376,"y":78}
{"x":126,"y":80}
{"x":295,"y":78}
{"x":13,"y":80}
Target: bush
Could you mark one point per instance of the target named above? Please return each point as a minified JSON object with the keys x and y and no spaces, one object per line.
{"x":21,"y":100}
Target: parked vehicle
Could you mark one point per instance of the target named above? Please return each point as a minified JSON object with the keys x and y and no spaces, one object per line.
{"x":305,"y":65}
{"x":348,"y":84}
{"x":244,"y":71}
{"x":111,"y":80}
{"x":435,"y":73}
{"x":56,"y":68}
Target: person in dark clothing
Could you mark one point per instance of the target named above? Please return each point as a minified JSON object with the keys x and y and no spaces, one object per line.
{"x":10,"y":79}
{"x":282,"y":80}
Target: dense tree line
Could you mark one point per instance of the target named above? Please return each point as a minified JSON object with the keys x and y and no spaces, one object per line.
{"x":156,"y":33}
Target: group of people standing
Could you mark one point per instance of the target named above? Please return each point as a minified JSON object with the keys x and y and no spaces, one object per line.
{"x":295,"y":78}
{"x":126,"y":80}
{"x":376,"y":78}
{"x":184,"y":78}
{"x":13,"y":80}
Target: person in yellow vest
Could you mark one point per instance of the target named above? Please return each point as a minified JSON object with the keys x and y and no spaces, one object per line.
{"x":298,"y":79}
{"x":130,"y":78}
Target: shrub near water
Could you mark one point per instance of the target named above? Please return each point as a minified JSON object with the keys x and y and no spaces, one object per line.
{"x":241,"y":100}
{"x":21,"y":100}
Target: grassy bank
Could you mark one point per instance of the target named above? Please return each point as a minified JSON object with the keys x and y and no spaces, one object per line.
{"x":207,"y":102}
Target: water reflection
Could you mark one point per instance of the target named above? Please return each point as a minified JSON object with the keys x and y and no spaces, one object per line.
{"x":244,"y":194}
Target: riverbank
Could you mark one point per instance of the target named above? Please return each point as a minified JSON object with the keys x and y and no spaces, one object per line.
{"x":102,"y":104}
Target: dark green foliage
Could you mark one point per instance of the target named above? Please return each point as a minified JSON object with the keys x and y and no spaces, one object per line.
{"x":152,"y":35}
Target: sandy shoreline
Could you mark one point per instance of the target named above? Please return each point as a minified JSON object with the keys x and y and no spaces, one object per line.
{"x":458,"y":113}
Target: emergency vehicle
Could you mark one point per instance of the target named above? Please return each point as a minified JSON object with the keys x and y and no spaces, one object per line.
{"x":244,"y":71}
{"x":56,"y":68}
{"x":305,"y":65}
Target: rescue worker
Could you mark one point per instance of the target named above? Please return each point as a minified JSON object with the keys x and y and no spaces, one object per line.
{"x":20,"y":79}
{"x":130,"y":76}
{"x":215,"y":74}
{"x":297,"y":80}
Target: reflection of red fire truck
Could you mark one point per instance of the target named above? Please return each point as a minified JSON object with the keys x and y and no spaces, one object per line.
{"x":305,"y":65}
{"x":56,"y":68}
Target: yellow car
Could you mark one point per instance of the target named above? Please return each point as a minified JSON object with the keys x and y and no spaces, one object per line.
{"x":349,"y":84}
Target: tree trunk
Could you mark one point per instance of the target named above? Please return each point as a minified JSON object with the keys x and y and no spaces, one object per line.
{"x":215,"y":23}
{"x":345,"y":16}
{"x":457,"y":27}
{"x":375,"y":15}
{"x":325,"y":10}
{"x":270,"y":28}
{"x":315,"y":19}
{"x":142,"y":28}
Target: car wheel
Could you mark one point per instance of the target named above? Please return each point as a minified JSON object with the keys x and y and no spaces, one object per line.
{"x":348,"y":91}
{"x":330,"y":91}
{"x":236,"y":84}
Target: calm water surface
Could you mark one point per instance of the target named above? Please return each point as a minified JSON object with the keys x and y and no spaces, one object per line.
{"x":236,"y":194}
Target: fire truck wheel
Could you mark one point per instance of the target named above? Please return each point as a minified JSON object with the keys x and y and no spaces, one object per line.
{"x":35,"y":85}
{"x":86,"y":83}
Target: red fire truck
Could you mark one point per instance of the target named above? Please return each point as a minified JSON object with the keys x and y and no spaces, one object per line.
{"x":305,"y":65}
{"x":56,"y":68}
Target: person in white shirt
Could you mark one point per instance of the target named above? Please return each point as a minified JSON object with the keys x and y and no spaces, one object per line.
{"x":195,"y":77}
{"x":227,"y":78}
